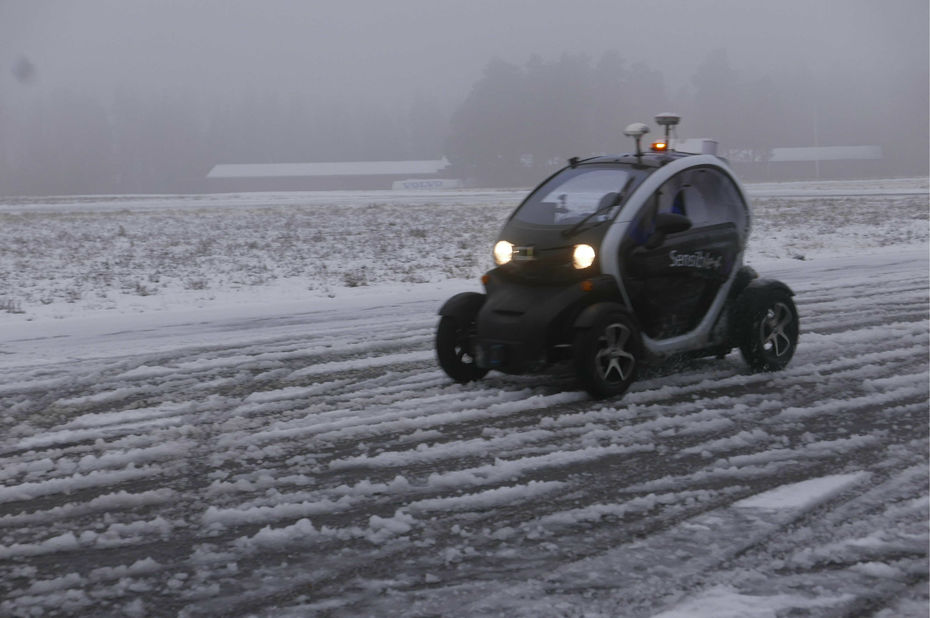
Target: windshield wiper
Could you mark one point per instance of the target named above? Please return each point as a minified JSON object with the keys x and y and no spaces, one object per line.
{"x":617,"y":199}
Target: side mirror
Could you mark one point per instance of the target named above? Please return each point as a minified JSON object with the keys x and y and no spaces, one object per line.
{"x":667,"y":223}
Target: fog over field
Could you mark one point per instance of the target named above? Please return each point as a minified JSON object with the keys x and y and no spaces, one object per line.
{"x":108,"y":96}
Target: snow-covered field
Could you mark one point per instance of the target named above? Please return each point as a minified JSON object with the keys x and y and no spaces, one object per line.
{"x":228,"y":404}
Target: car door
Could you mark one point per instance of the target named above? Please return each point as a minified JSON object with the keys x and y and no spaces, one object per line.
{"x":672,"y":278}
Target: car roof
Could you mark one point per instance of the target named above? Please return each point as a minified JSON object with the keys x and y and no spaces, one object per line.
{"x":647,"y":159}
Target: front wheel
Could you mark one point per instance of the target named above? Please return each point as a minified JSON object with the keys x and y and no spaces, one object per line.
{"x":455,"y":350}
{"x":607,"y":354}
{"x":769,"y":334}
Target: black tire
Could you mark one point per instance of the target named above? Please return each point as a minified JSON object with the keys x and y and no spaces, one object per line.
{"x":769,"y":330}
{"x":607,"y":355}
{"x":455,"y":350}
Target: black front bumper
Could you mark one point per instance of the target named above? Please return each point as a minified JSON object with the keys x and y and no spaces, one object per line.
{"x":520,"y":324}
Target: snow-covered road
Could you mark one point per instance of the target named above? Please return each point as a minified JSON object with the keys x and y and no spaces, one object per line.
{"x":318,"y":463}
{"x":224,"y":405}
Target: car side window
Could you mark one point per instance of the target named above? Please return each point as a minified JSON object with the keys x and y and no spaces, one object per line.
{"x":705,"y":195}
{"x":674,"y":196}
{"x":722,"y":201}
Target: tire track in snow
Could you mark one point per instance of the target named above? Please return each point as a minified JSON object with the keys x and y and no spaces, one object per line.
{"x":320,"y":470}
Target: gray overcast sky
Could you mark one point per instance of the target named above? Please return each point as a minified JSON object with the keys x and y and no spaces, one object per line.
{"x":398,"y":49}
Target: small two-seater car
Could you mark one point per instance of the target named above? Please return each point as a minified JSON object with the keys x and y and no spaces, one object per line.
{"x":616,"y":261}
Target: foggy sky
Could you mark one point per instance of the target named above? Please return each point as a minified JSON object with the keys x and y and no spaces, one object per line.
{"x":394,"y":51}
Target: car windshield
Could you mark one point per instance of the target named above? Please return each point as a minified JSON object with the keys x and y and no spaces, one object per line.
{"x":575,"y":194}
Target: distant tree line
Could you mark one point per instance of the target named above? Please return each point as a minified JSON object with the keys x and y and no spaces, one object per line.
{"x":517,"y":123}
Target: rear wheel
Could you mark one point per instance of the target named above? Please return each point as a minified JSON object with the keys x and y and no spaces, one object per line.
{"x":455,"y":349}
{"x":607,"y":354}
{"x":769,"y":334}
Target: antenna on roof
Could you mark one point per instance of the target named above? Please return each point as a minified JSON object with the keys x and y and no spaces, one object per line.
{"x":668,"y":120}
{"x":636,"y":131}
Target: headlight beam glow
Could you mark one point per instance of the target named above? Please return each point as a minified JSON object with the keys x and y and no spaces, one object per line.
{"x":503,"y":252}
{"x":583,"y":256}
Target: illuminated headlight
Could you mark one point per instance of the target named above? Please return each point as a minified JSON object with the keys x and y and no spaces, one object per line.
{"x":583,"y":256}
{"x":503,"y":252}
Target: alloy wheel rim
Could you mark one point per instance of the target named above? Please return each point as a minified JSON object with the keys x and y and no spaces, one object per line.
{"x":775,"y":330}
{"x":613,"y":360}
